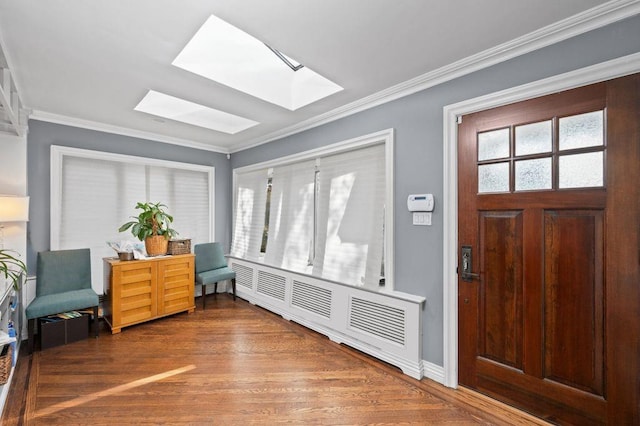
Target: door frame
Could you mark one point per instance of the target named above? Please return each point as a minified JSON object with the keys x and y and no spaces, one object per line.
{"x":615,"y":68}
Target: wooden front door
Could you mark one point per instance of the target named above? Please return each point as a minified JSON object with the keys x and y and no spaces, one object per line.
{"x":549,"y":249}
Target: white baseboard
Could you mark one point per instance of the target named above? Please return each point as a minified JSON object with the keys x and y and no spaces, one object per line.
{"x":433,"y":372}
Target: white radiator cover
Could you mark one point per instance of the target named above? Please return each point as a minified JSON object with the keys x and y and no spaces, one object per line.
{"x":384,"y":325}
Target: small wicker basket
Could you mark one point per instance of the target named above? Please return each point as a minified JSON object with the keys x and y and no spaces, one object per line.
{"x":6,"y":360}
{"x":179,"y":247}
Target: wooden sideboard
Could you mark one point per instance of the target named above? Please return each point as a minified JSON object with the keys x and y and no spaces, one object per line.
{"x":141,"y":290}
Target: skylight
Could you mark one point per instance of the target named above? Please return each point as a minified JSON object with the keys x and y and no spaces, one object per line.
{"x":291,"y":63}
{"x":162,"y":105}
{"x":223,"y":53}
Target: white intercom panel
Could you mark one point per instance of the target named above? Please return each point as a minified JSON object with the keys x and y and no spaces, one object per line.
{"x":420,"y":203}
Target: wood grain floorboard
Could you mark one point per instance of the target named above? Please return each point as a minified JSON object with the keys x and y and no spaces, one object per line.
{"x":232,"y":364}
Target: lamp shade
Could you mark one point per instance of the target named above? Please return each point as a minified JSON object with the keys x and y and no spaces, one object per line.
{"x":14,"y":209}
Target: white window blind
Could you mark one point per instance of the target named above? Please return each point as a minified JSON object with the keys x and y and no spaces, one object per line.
{"x":93,"y":193}
{"x":327,"y":213}
{"x":351,"y":201}
{"x":249,"y":219}
{"x":187,"y":194}
{"x":291,"y":217}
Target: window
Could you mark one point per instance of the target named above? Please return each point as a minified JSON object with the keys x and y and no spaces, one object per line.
{"x":291,"y":214}
{"x":265,"y":233}
{"x":544,"y":159}
{"x":350,"y":221}
{"x":166,"y":106}
{"x":325,"y":212}
{"x":93,"y":193}
{"x":227,"y":55}
{"x":248,"y":221}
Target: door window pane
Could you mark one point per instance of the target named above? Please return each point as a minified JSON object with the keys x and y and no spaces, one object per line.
{"x":580,"y":131}
{"x":581,"y":170}
{"x":493,"y":178}
{"x":534,"y":138}
{"x":533,"y":174}
{"x":493,"y":144}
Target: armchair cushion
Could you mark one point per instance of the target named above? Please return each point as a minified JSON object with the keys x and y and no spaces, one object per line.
{"x":61,"y":302}
{"x":215,"y":275}
{"x":63,"y":270}
{"x":209,"y":256}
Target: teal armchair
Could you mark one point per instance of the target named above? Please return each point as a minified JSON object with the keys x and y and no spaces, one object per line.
{"x":63,"y":283}
{"x":211,"y":267}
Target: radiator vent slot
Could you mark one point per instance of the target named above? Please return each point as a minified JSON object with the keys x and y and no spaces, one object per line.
{"x":311,"y":298}
{"x":386,"y":322}
{"x":244,"y":275}
{"x":271,"y":285}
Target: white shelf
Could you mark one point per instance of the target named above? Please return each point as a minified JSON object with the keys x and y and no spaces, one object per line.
{"x":7,"y":314}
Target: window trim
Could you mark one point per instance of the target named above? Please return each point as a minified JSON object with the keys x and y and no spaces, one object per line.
{"x":58,"y":154}
{"x":385,"y":137}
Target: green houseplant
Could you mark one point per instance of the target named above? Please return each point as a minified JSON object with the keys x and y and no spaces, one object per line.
{"x":11,"y":267}
{"x":153,"y":226}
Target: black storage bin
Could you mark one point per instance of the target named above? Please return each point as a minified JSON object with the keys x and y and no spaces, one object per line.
{"x":55,"y":331}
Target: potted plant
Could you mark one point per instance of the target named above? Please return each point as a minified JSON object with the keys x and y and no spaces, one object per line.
{"x":152,"y":226}
{"x":11,"y":267}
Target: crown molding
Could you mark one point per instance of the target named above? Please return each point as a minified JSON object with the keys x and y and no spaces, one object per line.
{"x":580,"y":23}
{"x":124,"y":131}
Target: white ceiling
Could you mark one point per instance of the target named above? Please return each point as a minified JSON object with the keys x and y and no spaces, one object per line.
{"x":89,"y":63}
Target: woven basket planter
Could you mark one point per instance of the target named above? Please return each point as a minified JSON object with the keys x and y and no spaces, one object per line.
{"x":156,"y":245}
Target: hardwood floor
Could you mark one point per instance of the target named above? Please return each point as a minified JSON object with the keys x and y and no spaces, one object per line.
{"x":233,"y":363}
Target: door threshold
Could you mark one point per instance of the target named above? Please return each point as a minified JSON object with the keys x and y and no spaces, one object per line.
{"x":508,"y":413}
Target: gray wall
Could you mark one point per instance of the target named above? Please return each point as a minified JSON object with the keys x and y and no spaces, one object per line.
{"x":42,"y":135}
{"x":417,"y":120}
